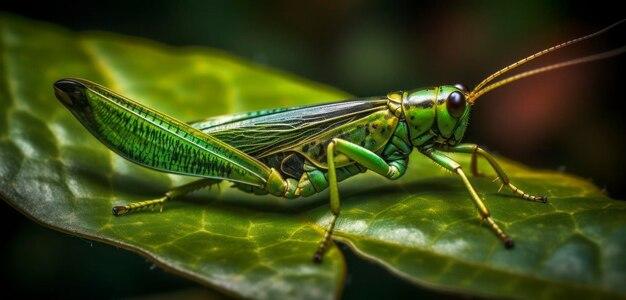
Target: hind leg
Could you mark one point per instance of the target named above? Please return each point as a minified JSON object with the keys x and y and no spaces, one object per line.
{"x":171,"y":194}
{"x":363,"y":156}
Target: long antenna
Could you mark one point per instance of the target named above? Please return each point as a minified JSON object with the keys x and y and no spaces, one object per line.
{"x":541,"y":53}
{"x":603,"y":55}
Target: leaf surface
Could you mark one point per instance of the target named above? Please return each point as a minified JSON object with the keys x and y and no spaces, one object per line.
{"x":421,"y":227}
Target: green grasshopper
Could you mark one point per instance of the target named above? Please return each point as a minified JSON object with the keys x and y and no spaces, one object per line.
{"x":301,"y":151}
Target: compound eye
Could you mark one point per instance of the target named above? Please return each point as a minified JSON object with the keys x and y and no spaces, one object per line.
{"x":461,"y":87}
{"x":456,"y":104}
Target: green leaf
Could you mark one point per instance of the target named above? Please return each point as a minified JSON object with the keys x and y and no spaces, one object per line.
{"x":422,"y":227}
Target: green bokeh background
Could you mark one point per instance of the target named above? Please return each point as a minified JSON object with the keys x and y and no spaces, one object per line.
{"x":570,"y":120}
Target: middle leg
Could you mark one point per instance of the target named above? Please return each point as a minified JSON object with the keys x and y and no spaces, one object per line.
{"x":363,"y":156}
{"x":455,"y":167}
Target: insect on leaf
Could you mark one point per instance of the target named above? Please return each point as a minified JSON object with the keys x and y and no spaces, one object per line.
{"x":422,"y":227}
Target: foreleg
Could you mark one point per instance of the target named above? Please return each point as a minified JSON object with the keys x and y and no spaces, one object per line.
{"x":476,"y":152}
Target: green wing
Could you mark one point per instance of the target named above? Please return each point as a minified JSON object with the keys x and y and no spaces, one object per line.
{"x":265,"y":132}
{"x":153,"y":139}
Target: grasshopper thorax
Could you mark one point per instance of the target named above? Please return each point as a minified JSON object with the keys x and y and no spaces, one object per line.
{"x":435,"y":114}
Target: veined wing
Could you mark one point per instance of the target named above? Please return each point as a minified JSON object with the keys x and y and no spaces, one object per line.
{"x":265,"y":132}
{"x":223,"y":119}
{"x":155,"y":140}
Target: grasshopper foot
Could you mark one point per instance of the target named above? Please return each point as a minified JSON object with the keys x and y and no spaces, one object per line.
{"x":119,"y":210}
{"x":124,"y":209}
{"x":526,"y":196}
{"x":317,"y":257}
{"x":508,"y":243}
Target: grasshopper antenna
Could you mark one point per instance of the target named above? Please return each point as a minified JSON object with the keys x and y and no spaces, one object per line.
{"x":475,"y":94}
{"x":480,"y":89}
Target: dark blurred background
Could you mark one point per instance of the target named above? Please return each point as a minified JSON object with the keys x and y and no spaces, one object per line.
{"x":570,"y":120}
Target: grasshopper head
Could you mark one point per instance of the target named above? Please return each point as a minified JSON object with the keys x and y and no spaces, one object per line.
{"x":443,"y":110}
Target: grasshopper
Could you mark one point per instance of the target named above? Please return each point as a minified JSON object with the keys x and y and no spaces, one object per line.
{"x":301,"y":151}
